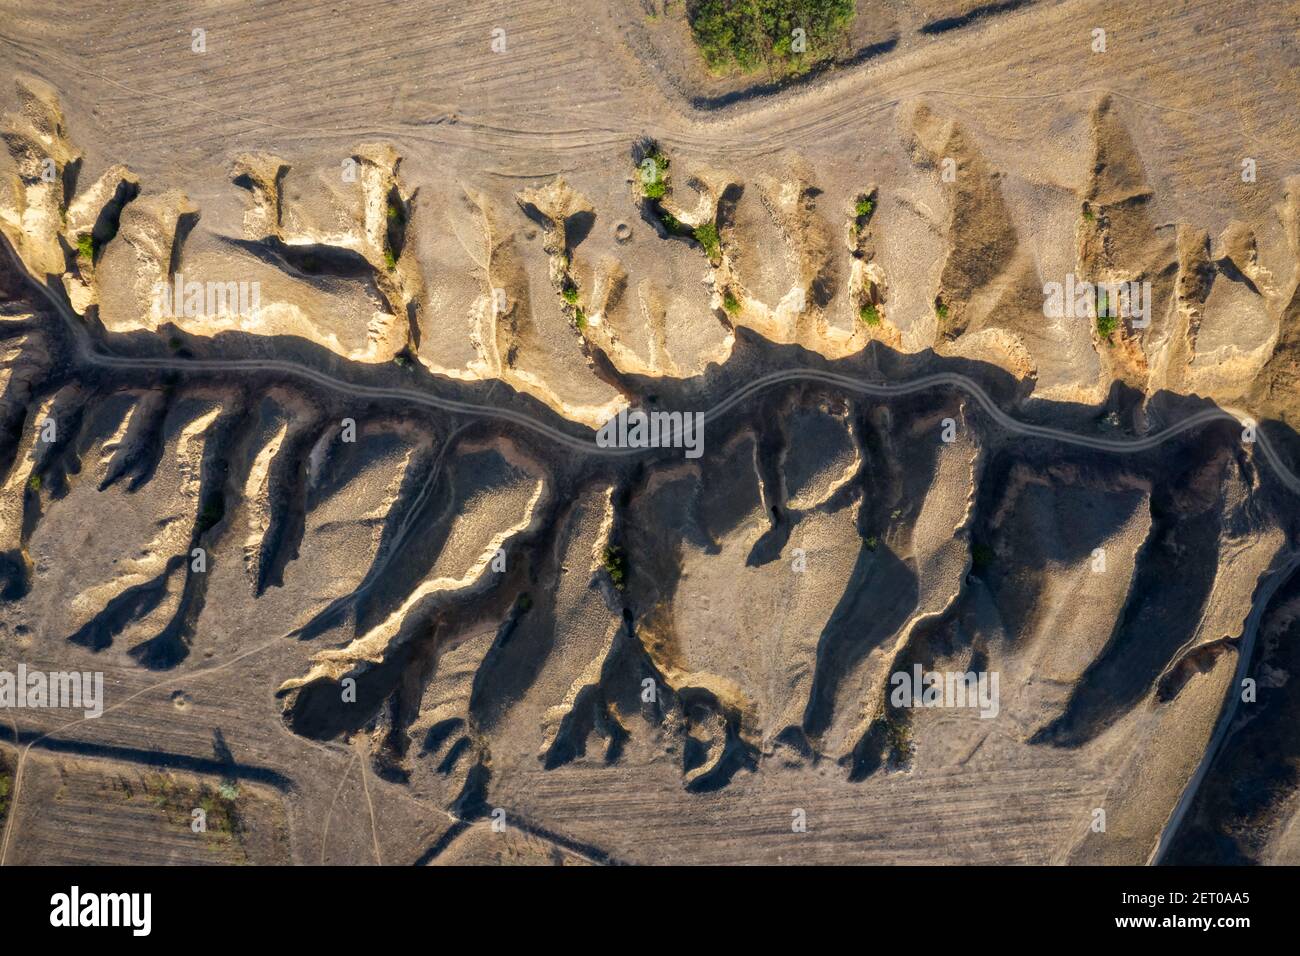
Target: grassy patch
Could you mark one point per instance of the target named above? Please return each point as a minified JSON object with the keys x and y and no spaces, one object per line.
{"x":579,"y":318}
{"x":869,"y":314}
{"x":570,"y":294}
{"x":1106,"y":325}
{"x":615,"y":563}
{"x":177,"y":801}
{"x":864,"y":208}
{"x":730,"y":303}
{"x":747,"y":35}
{"x":941,"y":311}
{"x":86,"y":246}
{"x":390,"y":260}
{"x":34,"y":483}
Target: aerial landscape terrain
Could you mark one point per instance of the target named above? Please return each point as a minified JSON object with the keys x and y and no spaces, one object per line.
{"x":652,"y":432}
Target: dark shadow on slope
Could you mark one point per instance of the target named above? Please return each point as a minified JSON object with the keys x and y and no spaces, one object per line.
{"x":1244,"y":802}
{"x":1175,"y":572}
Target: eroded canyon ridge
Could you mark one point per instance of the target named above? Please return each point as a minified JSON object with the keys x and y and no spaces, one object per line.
{"x":298,"y":416}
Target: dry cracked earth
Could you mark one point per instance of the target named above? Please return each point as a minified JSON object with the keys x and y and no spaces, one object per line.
{"x":364,"y":587}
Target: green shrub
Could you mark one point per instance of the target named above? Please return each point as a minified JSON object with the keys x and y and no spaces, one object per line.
{"x":34,"y":482}
{"x":654,"y":175}
{"x":941,"y":311}
{"x":579,"y":318}
{"x":898,"y":736}
{"x":390,"y":260}
{"x":864,"y":208}
{"x":86,"y":246}
{"x":1106,"y":325}
{"x":674,"y":225}
{"x":730,"y":303}
{"x":707,"y":236}
{"x":615,"y":563}
{"x":869,"y":314}
{"x":570,"y":294}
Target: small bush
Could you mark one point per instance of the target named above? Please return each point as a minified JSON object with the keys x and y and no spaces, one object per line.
{"x":941,"y":311}
{"x":579,"y":319}
{"x":674,"y":225}
{"x":707,"y":236}
{"x":34,"y":482}
{"x":570,"y":294}
{"x":86,"y":246}
{"x":654,"y":175}
{"x":869,"y":314}
{"x":730,"y":303}
{"x":1106,"y":325}
{"x":212,"y":513}
{"x":898,"y":735}
{"x":864,"y":208}
{"x":615,"y":563}
{"x":390,"y":260}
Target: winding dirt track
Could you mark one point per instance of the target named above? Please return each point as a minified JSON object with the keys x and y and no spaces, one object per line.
{"x":89,"y":355}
